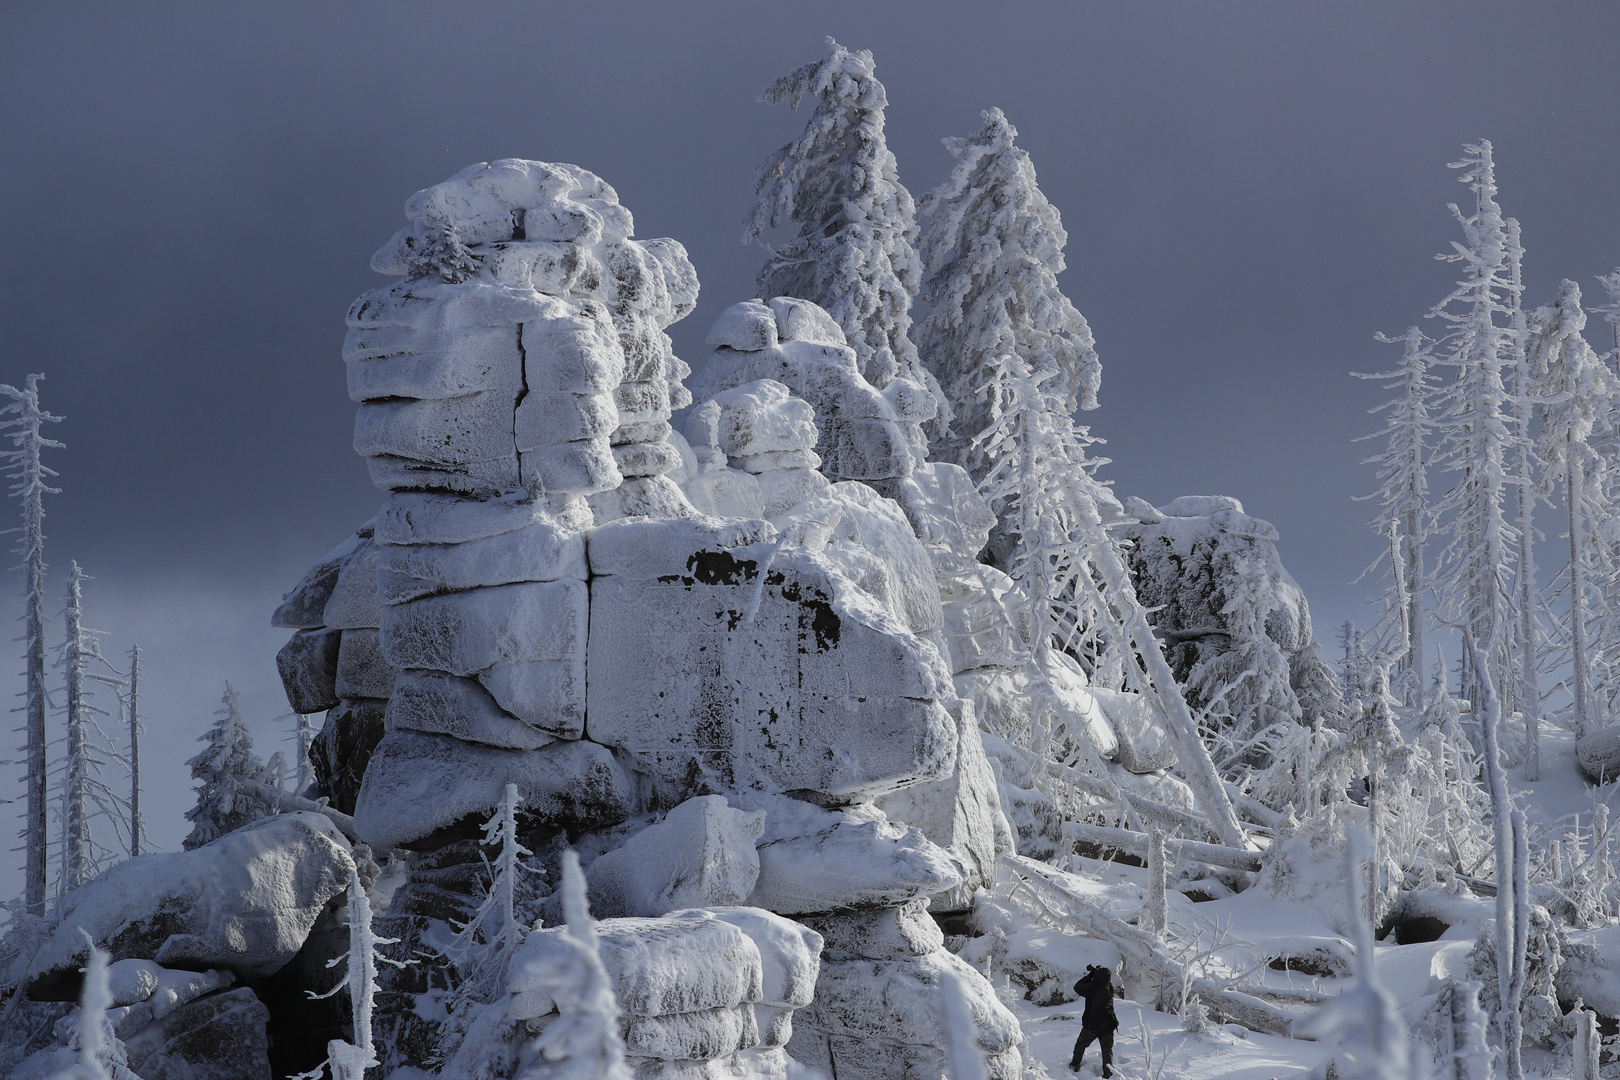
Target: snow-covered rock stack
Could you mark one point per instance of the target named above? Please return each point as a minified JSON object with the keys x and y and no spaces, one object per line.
{"x":334,"y":662}
{"x":794,"y":342}
{"x":519,"y":368}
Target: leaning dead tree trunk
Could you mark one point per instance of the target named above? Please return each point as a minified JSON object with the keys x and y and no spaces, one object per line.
{"x":1196,"y":764}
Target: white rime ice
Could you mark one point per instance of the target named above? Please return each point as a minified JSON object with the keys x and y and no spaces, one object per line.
{"x":992,"y":247}
{"x":24,"y":425}
{"x":1472,"y":578}
{"x":965,"y":1058}
{"x":222,"y":803}
{"x":349,"y":1059}
{"x":1070,"y":569}
{"x":583,"y":1042}
{"x":838,"y":182}
{"x":1580,"y":396}
{"x":1525,"y":468}
{"x":1402,"y":499}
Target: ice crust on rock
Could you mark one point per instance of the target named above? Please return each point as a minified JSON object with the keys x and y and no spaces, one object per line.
{"x":700,"y":855}
{"x":244,"y":902}
{"x":797,"y":684}
{"x":881,"y":1018}
{"x":659,"y":967}
{"x":702,"y":992}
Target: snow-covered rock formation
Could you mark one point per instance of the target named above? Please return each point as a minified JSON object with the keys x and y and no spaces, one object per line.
{"x":1236,"y":626}
{"x":716,"y":664}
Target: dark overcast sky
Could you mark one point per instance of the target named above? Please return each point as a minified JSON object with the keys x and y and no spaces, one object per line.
{"x":1251,"y":190}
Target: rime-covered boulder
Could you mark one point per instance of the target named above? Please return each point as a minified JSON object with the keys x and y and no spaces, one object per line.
{"x":813,"y":859}
{"x":883,"y":1017}
{"x":861,"y":434}
{"x":218,"y":1037}
{"x":244,"y":903}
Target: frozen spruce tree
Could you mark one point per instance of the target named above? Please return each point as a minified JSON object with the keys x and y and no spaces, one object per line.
{"x":583,"y":1043}
{"x":1364,"y":1020}
{"x":1526,"y":468}
{"x":992,"y":247}
{"x":1611,"y":312}
{"x":224,"y":803}
{"x":854,"y":253}
{"x":24,"y":423}
{"x":349,"y":1059}
{"x":1580,"y":407}
{"x":1402,"y":498}
{"x":476,"y":1040}
{"x":1477,"y":442}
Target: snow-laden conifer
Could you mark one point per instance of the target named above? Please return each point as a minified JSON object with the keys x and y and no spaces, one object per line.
{"x":1611,"y":312}
{"x":1477,"y":439}
{"x":1508,"y":939}
{"x":1402,"y":498}
{"x":24,"y":423}
{"x":992,"y":247}
{"x":1364,"y":1020}
{"x":304,"y":739}
{"x":1580,"y":397}
{"x":583,"y":1042}
{"x":223,"y":804}
{"x":854,"y":253}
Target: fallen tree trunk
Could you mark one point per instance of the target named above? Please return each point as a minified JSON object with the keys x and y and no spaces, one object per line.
{"x":1136,"y":843}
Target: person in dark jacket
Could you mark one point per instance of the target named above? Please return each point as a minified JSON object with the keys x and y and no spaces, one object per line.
{"x":1098,"y":1022}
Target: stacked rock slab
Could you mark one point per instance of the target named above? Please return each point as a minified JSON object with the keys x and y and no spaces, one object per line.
{"x":932,"y":835}
{"x":334,"y":662}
